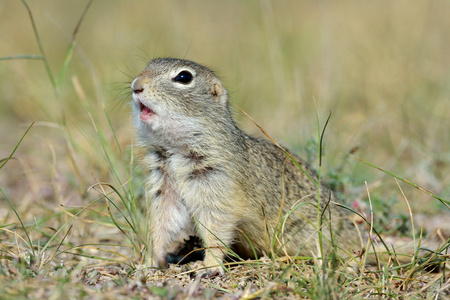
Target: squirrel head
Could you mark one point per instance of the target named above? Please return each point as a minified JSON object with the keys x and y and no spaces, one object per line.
{"x":179,"y":99}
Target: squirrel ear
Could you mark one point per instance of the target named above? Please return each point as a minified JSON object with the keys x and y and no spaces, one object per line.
{"x":218,"y":91}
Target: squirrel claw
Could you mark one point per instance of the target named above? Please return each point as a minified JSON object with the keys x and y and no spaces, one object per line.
{"x":210,"y":272}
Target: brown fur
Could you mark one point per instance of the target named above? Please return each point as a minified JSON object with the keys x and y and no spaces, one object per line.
{"x":203,"y":167}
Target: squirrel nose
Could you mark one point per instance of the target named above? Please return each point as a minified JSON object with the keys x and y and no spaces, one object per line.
{"x":137,"y":86}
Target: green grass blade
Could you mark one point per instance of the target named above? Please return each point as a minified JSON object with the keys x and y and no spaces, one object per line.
{"x":65,"y":65}
{"x":105,"y":144}
{"x":69,"y":51}
{"x":321,"y":138}
{"x":23,"y":56}
{"x":122,"y":157}
{"x":15,"y":148}
{"x":30,"y":244}
{"x":41,"y":48}
{"x":426,"y":191}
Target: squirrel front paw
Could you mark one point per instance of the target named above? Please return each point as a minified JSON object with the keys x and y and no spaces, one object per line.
{"x":210,"y":272}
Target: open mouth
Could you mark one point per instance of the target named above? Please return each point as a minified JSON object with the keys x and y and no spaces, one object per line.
{"x":145,"y":112}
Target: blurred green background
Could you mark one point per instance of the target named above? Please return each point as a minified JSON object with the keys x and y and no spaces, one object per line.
{"x":381,"y":67}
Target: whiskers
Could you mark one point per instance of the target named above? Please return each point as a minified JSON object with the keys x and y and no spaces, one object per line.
{"x":122,"y":97}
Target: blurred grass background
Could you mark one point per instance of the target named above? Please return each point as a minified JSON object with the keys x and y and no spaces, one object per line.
{"x":381,"y":67}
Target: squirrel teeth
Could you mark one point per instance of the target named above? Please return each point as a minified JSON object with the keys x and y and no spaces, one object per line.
{"x":146,"y":112}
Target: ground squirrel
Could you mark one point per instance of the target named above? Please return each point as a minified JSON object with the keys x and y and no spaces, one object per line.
{"x":210,"y":179}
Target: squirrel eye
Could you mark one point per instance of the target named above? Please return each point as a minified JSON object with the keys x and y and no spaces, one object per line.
{"x":183,"y":77}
